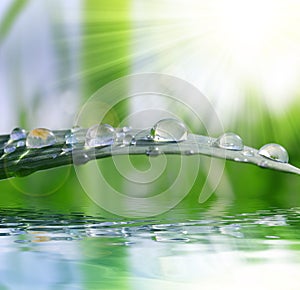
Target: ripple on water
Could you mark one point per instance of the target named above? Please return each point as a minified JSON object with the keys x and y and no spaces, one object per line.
{"x":36,"y":227}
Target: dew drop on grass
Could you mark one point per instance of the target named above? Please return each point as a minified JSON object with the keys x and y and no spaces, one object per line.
{"x":127,"y":139}
{"x":230,"y":141}
{"x":75,"y":129}
{"x":39,"y":138}
{"x":80,"y":158}
{"x":126,"y":129}
{"x":169,"y":130}
{"x":71,"y":139}
{"x":248,"y":153}
{"x":9,"y":148}
{"x":121,"y":135}
{"x":152,"y":151}
{"x":100,"y":135}
{"x":16,"y":139}
{"x":274,"y":152}
{"x":143,"y":135}
{"x":17,"y":134}
{"x":21,"y":143}
{"x":75,"y":136}
{"x":237,"y":159}
{"x":263,"y":164}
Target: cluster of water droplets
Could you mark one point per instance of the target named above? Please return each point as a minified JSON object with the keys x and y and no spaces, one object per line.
{"x":100,"y":135}
{"x":272,"y":151}
{"x":167,"y":130}
{"x":16,"y":139}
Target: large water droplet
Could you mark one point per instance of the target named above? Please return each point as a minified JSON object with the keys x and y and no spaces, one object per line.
{"x":17,"y":134}
{"x":100,"y":135}
{"x":169,"y":130}
{"x":39,"y":138}
{"x":275,"y":152}
{"x":230,"y":141}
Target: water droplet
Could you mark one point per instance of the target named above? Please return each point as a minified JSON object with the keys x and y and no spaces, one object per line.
{"x":9,"y":148}
{"x":80,"y":158}
{"x":248,"y":153}
{"x":126,"y":129}
{"x":127,"y":139}
{"x":230,"y":141}
{"x":100,"y":135}
{"x":17,"y":134}
{"x":143,"y":135}
{"x":39,"y":138}
{"x":152,"y":151}
{"x":237,"y":159}
{"x":274,"y":152}
{"x":189,"y":152}
{"x":119,"y":137}
{"x":21,"y":143}
{"x":210,"y":141}
{"x":75,"y":129}
{"x":66,"y":149}
{"x":263,"y":164}
{"x":169,"y":130}
{"x":71,"y":138}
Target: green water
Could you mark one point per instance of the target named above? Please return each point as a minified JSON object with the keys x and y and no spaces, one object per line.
{"x":199,"y":250}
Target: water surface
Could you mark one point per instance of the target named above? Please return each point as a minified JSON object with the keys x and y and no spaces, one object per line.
{"x":255,"y":250}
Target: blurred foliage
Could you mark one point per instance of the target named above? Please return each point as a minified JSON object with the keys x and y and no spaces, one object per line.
{"x":16,"y":7}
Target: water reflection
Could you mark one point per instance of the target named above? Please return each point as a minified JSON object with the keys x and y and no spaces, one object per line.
{"x":50,"y":251}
